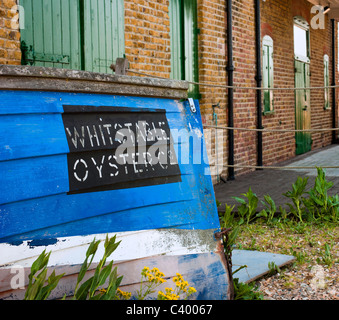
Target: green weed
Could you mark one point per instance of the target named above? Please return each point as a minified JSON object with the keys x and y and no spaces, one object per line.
{"x":247,"y":210}
{"x":296,"y":195}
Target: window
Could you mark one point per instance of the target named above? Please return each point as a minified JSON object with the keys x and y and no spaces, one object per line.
{"x":326,"y":82}
{"x":184,"y":43}
{"x":83,"y":35}
{"x":301,"y":40}
{"x":268,"y":74}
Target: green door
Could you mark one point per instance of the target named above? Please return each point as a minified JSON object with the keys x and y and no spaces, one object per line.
{"x":302,"y":107}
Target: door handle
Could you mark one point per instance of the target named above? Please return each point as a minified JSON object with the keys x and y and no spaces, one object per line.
{"x":305,"y":108}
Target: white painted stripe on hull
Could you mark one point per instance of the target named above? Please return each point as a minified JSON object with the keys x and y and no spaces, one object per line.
{"x":134,"y":245}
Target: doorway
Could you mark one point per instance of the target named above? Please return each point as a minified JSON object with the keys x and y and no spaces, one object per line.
{"x":302,"y":80}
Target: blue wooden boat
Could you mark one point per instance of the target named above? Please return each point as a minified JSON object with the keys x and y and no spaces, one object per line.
{"x":84,"y":155}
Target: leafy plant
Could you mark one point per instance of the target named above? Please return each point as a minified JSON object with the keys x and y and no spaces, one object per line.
{"x":89,"y":289}
{"x":273,"y":268}
{"x":300,"y":255}
{"x":320,"y":204}
{"x":247,"y":210}
{"x":246,"y":291}
{"x":229,"y":241}
{"x":270,"y":210}
{"x":296,"y":195}
{"x":228,"y":219}
{"x":326,"y":256}
{"x":36,"y":290}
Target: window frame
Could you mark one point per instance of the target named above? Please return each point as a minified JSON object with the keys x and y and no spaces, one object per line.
{"x":180,"y":31}
{"x":303,"y":24}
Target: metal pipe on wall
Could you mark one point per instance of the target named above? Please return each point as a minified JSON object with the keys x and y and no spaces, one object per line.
{"x":230,"y":69}
{"x":259,"y":81}
{"x":334,"y":97}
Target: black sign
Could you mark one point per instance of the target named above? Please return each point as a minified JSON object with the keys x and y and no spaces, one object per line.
{"x":117,"y":148}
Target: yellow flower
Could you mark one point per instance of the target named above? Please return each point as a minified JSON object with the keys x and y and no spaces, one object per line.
{"x":150,"y":277}
{"x":191,"y":290}
{"x":169,"y":290}
{"x":125,"y":295}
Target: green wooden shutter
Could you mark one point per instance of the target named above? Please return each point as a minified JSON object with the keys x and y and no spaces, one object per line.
{"x":268,"y":74}
{"x":76,"y":34}
{"x":184,"y":43}
{"x":326,"y":82}
{"x":176,"y":34}
{"x":191,"y":46}
{"x":103,"y":34}
{"x":51,"y":34}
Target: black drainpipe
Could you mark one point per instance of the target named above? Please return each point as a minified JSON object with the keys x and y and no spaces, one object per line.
{"x":259,"y":80}
{"x":334,"y":98}
{"x":230,"y":69}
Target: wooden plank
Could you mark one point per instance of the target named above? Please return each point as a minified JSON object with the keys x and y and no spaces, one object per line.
{"x":85,"y":214}
{"x":65,"y":31}
{"x":175,"y":22}
{"x":202,"y":271}
{"x":31,"y":136}
{"x":17,"y":173}
{"x":102,"y":36}
{"x":108,"y":20}
{"x":47,"y":32}
{"x":74,"y":35}
{"x":118,"y":7}
{"x":57,"y":27}
{"x":53,"y":102}
{"x":38,"y":28}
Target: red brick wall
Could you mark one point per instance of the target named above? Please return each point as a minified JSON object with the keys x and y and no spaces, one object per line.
{"x":321,"y":44}
{"x":212,"y":69}
{"x":9,"y":35}
{"x":277,"y":21}
{"x":245,"y":142}
{"x":147,"y":36}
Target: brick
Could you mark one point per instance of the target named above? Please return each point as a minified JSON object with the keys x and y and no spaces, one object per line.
{"x":9,"y":38}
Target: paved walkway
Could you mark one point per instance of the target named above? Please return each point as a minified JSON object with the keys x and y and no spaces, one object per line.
{"x":277,"y":182}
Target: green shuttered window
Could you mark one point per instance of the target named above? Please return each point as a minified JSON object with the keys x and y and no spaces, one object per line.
{"x":326,"y":82}
{"x":184,"y":43}
{"x":268,"y":74}
{"x":73,"y":34}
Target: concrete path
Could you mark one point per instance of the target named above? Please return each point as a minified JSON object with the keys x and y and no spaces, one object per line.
{"x":277,"y":182}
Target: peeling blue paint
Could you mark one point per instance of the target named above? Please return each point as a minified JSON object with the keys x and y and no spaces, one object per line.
{"x":42,"y":242}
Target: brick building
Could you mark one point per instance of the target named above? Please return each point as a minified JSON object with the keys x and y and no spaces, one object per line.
{"x":191,"y":40}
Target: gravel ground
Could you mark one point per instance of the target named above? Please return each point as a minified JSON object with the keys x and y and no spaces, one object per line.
{"x":301,"y":283}
{"x":314,"y":275}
